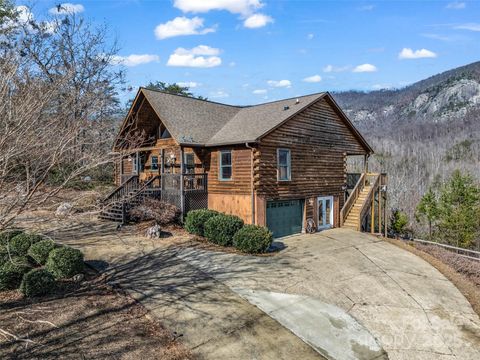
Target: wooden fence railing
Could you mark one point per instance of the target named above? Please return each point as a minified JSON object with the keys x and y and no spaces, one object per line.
{"x":374,"y":180}
{"x":131,"y":184}
{"x":466,"y":253}
{"x":352,"y":198}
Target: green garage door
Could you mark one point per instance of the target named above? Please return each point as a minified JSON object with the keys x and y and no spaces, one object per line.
{"x":284,"y":217}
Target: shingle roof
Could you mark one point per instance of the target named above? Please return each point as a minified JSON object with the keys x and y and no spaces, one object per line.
{"x":194,"y":121}
{"x":189,"y":120}
{"x":252,"y":122}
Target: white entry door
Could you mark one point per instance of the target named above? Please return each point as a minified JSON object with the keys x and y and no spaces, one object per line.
{"x":325,"y":212}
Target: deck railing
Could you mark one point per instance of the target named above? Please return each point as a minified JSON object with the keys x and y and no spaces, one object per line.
{"x":352,"y":198}
{"x":374,"y":181}
{"x":130,"y":185}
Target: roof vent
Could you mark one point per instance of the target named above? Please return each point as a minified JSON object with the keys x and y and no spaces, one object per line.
{"x":297,"y":101}
{"x":286,"y":108}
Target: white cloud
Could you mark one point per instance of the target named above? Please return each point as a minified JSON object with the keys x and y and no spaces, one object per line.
{"x":134,"y":59}
{"x":189,"y":84}
{"x":219,"y":94}
{"x":279,"y":83}
{"x":259,"y":91}
{"x":232,"y":64}
{"x":181,"y":26}
{"x":66,"y":8}
{"x":257,"y":20}
{"x":364,"y":68}
{"x":201,"y":56}
{"x":23,"y":14}
{"x":456,"y":5}
{"x":331,"y":68}
{"x":408,"y":53}
{"x":310,"y":36}
{"x":247,"y":9}
{"x":243,"y":7}
{"x":469,"y":26}
{"x":313,"y":79}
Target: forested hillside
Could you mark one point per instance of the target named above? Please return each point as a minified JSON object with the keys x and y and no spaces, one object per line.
{"x":421,"y":133}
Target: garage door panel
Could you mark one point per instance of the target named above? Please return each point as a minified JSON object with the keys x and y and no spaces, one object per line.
{"x":284,"y":217}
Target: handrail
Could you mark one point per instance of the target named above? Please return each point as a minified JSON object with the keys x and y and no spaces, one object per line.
{"x":352,"y":198}
{"x":120,"y":191}
{"x":367,"y":201}
{"x":144,"y":187}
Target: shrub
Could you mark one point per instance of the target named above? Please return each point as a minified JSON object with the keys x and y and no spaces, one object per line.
{"x":7,"y":235}
{"x":64,"y":262}
{"x":398,"y":221}
{"x":253,"y":239}
{"x":37,"y":282}
{"x":20,"y":244}
{"x":11,"y":273}
{"x":163,"y":213}
{"x":3,"y":255}
{"x":195,"y":220}
{"x":221,"y":228}
{"x":40,"y":250}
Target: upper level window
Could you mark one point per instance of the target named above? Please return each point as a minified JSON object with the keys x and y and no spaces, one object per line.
{"x":189,"y":161}
{"x":284,"y":172}
{"x":225,"y":165}
{"x":154,"y":163}
{"x":165,"y":134}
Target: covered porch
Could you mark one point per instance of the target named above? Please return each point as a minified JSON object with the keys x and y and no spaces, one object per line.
{"x":173,"y":174}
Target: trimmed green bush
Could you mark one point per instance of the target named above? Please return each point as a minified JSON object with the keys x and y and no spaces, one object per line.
{"x":11,"y":273}
{"x":37,"y":282}
{"x":7,"y":235}
{"x":40,"y":250}
{"x":64,"y":262}
{"x":221,"y":228}
{"x":253,"y":239}
{"x":195,"y":220}
{"x":20,"y":244}
{"x":3,"y":255}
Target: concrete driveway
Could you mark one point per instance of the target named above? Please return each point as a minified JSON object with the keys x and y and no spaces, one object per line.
{"x":208,"y":317}
{"x":410,"y":308}
{"x":346,"y":294}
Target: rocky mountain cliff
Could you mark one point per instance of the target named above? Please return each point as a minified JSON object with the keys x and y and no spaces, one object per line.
{"x":446,"y":97}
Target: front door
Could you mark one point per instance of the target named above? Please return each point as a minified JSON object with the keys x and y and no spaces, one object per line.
{"x":325,"y":212}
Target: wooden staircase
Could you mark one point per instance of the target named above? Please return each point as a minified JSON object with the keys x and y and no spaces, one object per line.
{"x":360,"y":201}
{"x":130,"y":194}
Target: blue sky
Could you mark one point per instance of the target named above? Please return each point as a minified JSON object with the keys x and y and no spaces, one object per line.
{"x":251,"y":51}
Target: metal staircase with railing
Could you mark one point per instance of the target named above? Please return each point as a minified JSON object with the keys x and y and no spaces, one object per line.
{"x":361,"y":202}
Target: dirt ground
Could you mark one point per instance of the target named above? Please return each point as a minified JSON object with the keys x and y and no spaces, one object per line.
{"x":87,"y":321}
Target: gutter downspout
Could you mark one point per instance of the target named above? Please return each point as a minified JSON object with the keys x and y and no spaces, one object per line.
{"x":252,"y":182}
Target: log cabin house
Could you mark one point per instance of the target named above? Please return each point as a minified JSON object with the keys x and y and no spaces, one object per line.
{"x":280,"y":164}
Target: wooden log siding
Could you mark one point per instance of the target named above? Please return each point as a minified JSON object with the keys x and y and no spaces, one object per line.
{"x":319,"y":141}
{"x":241,"y":172}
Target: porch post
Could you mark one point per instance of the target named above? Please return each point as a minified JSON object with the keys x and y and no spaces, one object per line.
{"x":385,"y":214}
{"x":137,"y":165}
{"x":162,"y":161}
{"x":380,"y":196}
{"x":182,"y":170}
{"x":372,"y":221}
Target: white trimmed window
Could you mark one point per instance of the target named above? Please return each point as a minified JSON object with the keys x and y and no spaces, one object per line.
{"x":225,"y":165}
{"x":284,"y":172}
